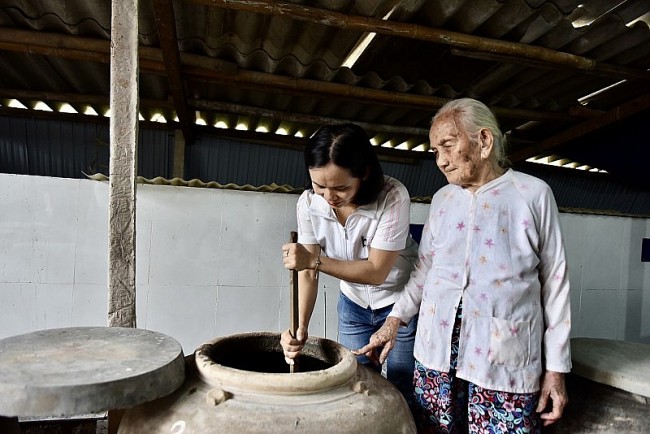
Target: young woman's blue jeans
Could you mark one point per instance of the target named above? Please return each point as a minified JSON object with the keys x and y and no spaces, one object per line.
{"x":357,"y":324}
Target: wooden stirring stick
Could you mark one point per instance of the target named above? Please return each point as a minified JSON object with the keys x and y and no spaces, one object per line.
{"x":293,"y":303}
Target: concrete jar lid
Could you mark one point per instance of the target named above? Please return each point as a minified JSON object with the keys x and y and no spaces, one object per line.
{"x":85,"y":370}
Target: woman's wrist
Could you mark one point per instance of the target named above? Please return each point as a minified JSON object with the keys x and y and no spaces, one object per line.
{"x":317,"y":264}
{"x":396,"y":320}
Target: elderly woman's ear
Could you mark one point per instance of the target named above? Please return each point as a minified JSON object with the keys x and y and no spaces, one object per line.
{"x":485,"y":140}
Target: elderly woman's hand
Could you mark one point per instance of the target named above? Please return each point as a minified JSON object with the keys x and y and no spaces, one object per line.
{"x":383,"y":338}
{"x":553,"y":388}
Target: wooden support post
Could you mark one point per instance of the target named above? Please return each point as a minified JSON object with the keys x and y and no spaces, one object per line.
{"x":123,"y":166}
{"x":123,"y":163}
{"x":178,"y":165}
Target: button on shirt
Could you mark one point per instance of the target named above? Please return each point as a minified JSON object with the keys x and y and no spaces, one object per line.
{"x":383,"y":224}
{"x":500,"y":250}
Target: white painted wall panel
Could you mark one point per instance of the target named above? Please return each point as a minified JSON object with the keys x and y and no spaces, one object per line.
{"x":209,"y":262}
{"x":91,"y":233}
{"x":18,"y":304}
{"x":249,"y":309}
{"x":186,"y":312}
{"x":608,"y":283}
{"x":184,"y":236}
{"x":589,"y":247}
{"x":36,"y":246}
{"x":53,"y":305}
{"x":90,"y":303}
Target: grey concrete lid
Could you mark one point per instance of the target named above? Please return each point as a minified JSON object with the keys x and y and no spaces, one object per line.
{"x":71,"y":371}
{"x":620,"y":364}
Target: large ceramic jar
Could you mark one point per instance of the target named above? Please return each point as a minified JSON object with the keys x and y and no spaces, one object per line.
{"x":241,"y":384}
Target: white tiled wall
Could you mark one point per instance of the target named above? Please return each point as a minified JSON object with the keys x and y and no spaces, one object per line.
{"x":208,"y":262}
{"x":610,"y":286}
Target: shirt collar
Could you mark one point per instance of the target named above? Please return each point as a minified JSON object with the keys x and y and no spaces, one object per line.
{"x":505,"y":176}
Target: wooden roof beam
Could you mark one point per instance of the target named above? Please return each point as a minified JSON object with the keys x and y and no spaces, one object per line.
{"x":210,"y":69}
{"x":209,"y":106}
{"x":216,"y":106}
{"x":75,"y":98}
{"x":609,"y":117}
{"x":166,"y":23}
{"x":464,"y":41}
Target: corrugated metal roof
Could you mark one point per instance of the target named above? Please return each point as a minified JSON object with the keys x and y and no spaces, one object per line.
{"x":544,"y":66}
{"x":82,"y":151}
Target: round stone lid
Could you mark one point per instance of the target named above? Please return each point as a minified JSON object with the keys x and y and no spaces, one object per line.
{"x":85,"y":370}
{"x":620,"y":364}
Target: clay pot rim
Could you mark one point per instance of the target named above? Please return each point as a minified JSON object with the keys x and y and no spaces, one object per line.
{"x":237,"y":380}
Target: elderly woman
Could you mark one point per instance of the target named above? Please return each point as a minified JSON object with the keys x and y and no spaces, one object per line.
{"x":490,"y":289}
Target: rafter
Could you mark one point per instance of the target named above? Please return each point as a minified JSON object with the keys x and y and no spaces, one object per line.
{"x":166,"y":23}
{"x":616,"y":114}
{"x":212,"y":106}
{"x":522,"y":52}
{"x":209,"y":69}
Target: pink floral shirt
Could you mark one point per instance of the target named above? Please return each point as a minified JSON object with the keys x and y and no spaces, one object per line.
{"x":500,"y":250}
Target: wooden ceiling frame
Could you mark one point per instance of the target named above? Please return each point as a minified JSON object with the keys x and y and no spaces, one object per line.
{"x":180,"y":67}
{"x":516,"y":50}
{"x":210,"y":69}
{"x":166,"y":24}
{"x":616,"y":114}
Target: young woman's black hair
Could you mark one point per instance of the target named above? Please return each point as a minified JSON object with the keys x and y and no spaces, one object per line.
{"x":349,"y":147}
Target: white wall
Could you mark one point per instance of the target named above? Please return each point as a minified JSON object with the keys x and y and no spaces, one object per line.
{"x":209,"y":262}
{"x":610,"y":286}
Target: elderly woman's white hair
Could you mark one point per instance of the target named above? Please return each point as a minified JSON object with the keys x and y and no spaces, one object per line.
{"x":474,"y":116}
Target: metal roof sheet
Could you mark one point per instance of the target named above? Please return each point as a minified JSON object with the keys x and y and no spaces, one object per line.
{"x":554,"y":71}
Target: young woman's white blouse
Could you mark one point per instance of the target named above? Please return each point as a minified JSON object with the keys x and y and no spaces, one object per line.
{"x":383,"y":224}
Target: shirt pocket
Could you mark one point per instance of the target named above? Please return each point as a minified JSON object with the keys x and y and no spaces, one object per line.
{"x":426,"y":318}
{"x":509,"y":342}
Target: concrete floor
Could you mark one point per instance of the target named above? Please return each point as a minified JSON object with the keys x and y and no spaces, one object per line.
{"x":598,"y":408}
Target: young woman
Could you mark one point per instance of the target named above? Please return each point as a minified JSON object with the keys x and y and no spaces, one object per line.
{"x":353,"y":224}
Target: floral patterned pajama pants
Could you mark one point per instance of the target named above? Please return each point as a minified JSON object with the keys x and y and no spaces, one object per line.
{"x":446,"y":404}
